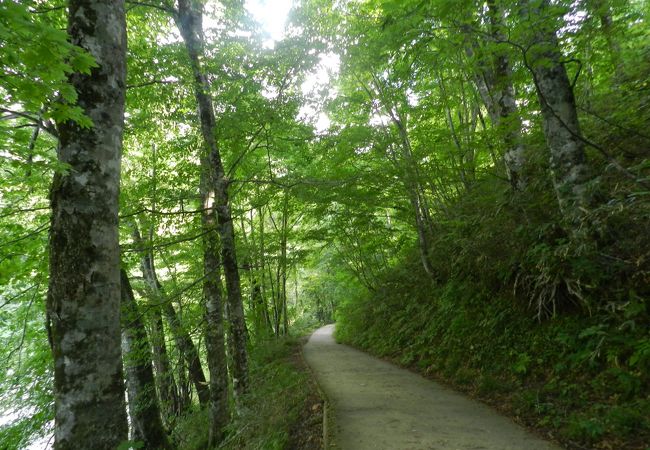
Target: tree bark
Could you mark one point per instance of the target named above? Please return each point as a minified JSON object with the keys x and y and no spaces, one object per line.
{"x":216,"y":352}
{"x":184,"y":385}
{"x":189,"y":22}
{"x":167,"y":388}
{"x":261,"y":273}
{"x":251,"y":265}
{"x":493,"y":80}
{"x":144,"y":411}
{"x":560,"y":118}
{"x":283,"y":262}
{"x":83,"y":304}
{"x":411,"y":177}
{"x":508,"y":121}
{"x":417,"y":197}
{"x":214,"y":312}
{"x":183,"y":341}
{"x":186,"y":347}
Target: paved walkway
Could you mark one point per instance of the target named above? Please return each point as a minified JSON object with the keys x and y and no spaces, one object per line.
{"x":378,"y":406}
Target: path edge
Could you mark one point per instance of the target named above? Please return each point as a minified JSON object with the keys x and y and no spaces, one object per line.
{"x":327,"y":417}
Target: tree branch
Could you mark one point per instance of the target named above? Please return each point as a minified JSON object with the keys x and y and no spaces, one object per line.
{"x":47,"y":126}
{"x":161,"y":7}
{"x":149,"y":83}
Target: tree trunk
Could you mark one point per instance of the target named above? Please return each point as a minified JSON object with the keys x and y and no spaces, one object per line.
{"x":186,"y":347}
{"x":83,"y":304}
{"x":262,"y":274}
{"x":560,"y":119}
{"x":175,"y":398}
{"x":169,"y":395}
{"x":417,"y":197}
{"x":494,"y":83}
{"x":508,"y":121}
{"x":275,"y":295}
{"x":189,"y":22}
{"x":144,"y":411}
{"x":184,"y":385}
{"x":283,"y":262}
{"x":183,"y":341}
{"x":214,"y":323}
{"x":254,"y":266}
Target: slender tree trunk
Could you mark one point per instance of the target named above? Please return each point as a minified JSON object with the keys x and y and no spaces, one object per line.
{"x":214,"y":313}
{"x":184,"y":385}
{"x":186,"y":347}
{"x":261,"y":314}
{"x":275,"y":295}
{"x":235,"y":302}
{"x":169,"y":398}
{"x":144,"y":411}
{"x":483,"y":79}
{"x":411,"y":180}
{"x":172,"y":398}
{"x":83,"y":302}
{"x":555,"y":93}
{"x":276,"y":288}
{"x":283,"y":262}
{"x":508,"y":122}
{"x":262,"y":274}
{"x":494,"y":83}
{"x":258,"y":307}
{"x":320,"y":315}
{"x":189,"y":22}
{"x":254,"y":313}
{"x":297,"y":299}
{"x":183,"y":341}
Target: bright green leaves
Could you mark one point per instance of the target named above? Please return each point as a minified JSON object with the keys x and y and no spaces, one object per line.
{"x":62,"y":112}
{"x":36,"y":59}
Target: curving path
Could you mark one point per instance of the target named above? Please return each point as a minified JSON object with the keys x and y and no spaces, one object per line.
{"x":378,"y":406}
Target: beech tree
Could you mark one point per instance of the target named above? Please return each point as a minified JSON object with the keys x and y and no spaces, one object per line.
{"x":494,"y":83}
{"x":189,"y":21}
{"x":83,"y":303}
{"x":543,"y":57}
{"x":378,"y":147}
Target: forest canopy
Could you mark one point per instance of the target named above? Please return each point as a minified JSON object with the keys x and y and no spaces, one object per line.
{"x":462,"y":185}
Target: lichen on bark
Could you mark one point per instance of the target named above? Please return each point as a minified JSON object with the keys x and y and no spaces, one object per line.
{"x":83,"y":305}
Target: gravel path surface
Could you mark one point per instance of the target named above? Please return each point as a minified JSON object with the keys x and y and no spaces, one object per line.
{"x":378,"y":406}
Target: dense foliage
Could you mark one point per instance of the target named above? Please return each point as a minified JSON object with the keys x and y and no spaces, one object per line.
{"x":462,"y":185}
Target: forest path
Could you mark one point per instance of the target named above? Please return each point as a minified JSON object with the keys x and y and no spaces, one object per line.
{"x":379,"y":406}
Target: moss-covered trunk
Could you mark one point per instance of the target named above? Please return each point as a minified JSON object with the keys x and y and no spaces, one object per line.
{"x":83,"y":304}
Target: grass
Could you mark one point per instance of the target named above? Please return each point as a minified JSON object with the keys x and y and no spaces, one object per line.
{"x":282,"y":411}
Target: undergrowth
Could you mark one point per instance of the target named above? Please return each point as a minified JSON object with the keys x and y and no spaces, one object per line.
{"x":277,"y":414}
{"x":551,"y":327}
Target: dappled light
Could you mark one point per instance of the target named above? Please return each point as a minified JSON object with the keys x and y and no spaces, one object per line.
{"x":190,"y":189}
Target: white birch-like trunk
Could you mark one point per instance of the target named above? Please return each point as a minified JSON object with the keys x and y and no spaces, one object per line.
{"x":560,"y":118}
